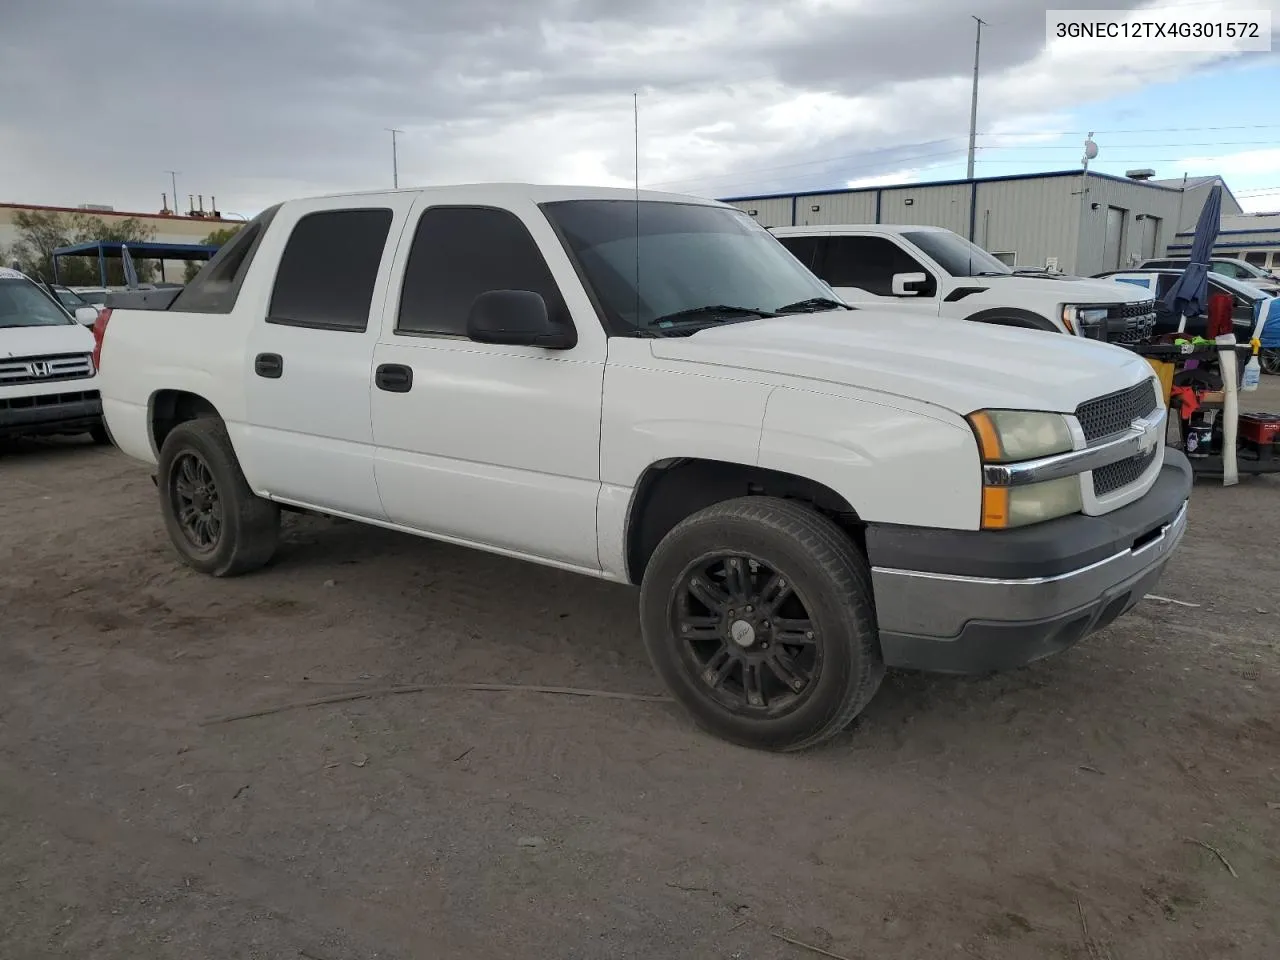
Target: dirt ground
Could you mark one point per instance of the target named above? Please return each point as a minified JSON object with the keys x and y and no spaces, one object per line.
{"x":1055,"y":812}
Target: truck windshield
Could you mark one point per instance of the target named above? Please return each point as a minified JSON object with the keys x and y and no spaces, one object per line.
{"x":22,"y":304}
{"x":956,"y":255}
{"x":659,"y":265}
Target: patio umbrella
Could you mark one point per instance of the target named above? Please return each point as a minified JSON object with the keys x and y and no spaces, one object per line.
{"x":131,"y":272}
{"x":1189,"y":296}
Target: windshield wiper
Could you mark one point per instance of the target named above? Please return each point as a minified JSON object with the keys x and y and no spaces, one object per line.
{"x":813,"y":305}
{"x":711,"y":310}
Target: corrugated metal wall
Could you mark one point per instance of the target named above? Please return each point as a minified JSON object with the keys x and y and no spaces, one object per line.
{"x":1134,"y":200}
{"x":772,"y":212}
{"x":859,"y":207}
{"x":1032,"y":219}
{"x":939,"y":206}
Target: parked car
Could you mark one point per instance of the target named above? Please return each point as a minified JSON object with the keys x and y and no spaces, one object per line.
{"x":73,"y":302}
{"x":1225,"y":266}
{"x":48,"y":381}
{"x":1246,"y":299}
{"x":650,"y":390}
{"x":95,"y":295}
{"x":930,"y":270}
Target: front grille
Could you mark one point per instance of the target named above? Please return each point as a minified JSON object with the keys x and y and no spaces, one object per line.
{"x":47,"y":400}
{"x":1126,"y":311}
{"x":1121,"y":473}
{"x":1140,"y":318}
{"x":1112,"y":414}
{"x":46,"y":369}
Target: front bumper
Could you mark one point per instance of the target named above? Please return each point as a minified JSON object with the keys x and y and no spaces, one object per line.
{"x":74,"y":411}
{"x":951,"y":601}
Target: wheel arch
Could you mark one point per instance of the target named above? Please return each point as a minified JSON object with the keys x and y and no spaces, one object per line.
{"x":670,"y":490}
{"x":1015,"y":317}
{"x":167,"y":408}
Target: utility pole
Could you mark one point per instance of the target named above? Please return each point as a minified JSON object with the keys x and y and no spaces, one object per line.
{"x":973,"y":110}
{"x":173,"y":180}
{"x":395,"y":166}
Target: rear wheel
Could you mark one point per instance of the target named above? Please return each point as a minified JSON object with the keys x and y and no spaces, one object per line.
{"x":214,"y":520}
{"x":1270,"y":360}
{"x":757,"y":614}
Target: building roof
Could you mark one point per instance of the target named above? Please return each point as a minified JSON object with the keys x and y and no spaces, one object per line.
{"x":43,"y":208}
{"x":918,"y":185}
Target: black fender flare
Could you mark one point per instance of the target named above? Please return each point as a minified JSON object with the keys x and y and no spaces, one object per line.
{"x":1013,"y":317}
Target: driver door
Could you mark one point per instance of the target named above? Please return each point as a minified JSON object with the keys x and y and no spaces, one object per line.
{"x":861,"y":270}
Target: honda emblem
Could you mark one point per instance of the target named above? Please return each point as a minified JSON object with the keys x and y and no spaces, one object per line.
{"x":40,"y":368}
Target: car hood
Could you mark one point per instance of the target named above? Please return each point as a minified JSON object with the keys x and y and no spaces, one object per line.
{"x":40,"y":341}
{"x":1066,"y":289}
{"x":961,"y":367}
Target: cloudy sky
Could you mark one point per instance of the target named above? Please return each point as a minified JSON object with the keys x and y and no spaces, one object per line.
{"x":260,"y":100}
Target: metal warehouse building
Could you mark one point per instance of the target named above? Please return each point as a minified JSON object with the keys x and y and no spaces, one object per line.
{"x":1253,"y":237}
{"x":1033,"y":220}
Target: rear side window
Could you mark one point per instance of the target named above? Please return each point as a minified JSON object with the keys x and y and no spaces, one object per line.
{"x":215,"y":288}
{"x":327,"y":272}
{"x":459,"y":253}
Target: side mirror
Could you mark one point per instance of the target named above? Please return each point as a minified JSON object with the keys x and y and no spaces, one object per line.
{"x":86,"y":315}
{"x":518,"y":318}
{"x":908,"y":284}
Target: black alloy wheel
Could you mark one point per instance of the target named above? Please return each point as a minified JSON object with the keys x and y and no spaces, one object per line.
{"x":197,"y":506}
{"x":746,"y":634}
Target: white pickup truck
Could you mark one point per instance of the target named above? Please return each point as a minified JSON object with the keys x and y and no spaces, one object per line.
{"x":47,"y":377}
{"x":931,"y":270}
{"x":649,"y":389}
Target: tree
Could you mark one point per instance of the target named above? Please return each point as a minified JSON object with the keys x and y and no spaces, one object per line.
{"x":42,"y":232}
{"x":215,"y":239}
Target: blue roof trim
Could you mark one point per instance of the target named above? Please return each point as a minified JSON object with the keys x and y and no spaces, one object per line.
{"x":1243,"y":245}
{"x":1226,"y":233}
{"x":1048,"y":175}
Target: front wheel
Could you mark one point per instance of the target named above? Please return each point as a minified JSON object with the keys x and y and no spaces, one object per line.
{"x":214,"y":520}
{"x":757,"y":614}
{"x":1270,"y":360}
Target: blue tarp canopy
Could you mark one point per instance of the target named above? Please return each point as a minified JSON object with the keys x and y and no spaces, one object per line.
{"x":146,"y":250}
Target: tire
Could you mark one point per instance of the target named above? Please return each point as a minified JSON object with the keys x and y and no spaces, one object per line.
{"x":1269,"y":360}
{"x":100,"y":436}
{"x":838,"y":660}
{"x":197,"y":457}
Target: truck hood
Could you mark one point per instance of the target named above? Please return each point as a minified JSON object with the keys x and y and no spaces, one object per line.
{"x":40,"y":341}
{"x":961,"y":367}
{"x":1066,"y":289}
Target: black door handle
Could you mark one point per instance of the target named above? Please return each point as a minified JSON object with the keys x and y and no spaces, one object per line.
{"x":393,"y":377}
{"x":269,"y":365}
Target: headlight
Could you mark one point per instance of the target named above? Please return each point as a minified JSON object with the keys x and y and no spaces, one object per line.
{"x":1073,"y":317}
{"x":1011,"y":436}
{"x":1007,"y":436}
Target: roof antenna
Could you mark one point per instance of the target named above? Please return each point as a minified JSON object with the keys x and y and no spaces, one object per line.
{"x":635,"y":111}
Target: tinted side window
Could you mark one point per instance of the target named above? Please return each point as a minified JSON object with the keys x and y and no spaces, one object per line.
{"x":869,"y":263}
{"x":327,"y":272}
{"x":805,"y":249}
{"x":215,"y":288}
{"x":459,"y":253}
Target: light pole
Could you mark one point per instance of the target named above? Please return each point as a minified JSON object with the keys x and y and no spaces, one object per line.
{"x":1090,"y":151}
{"x":395,"y":166}
{"x":973,"y":108}
{"x":173,"y":181}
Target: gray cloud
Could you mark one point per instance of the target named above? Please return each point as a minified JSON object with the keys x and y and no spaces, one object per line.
{"x":255,"y":101}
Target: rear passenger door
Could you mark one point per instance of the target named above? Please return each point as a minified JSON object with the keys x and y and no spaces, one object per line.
{"x":309,"y":439}
{"x":489,"y":444}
